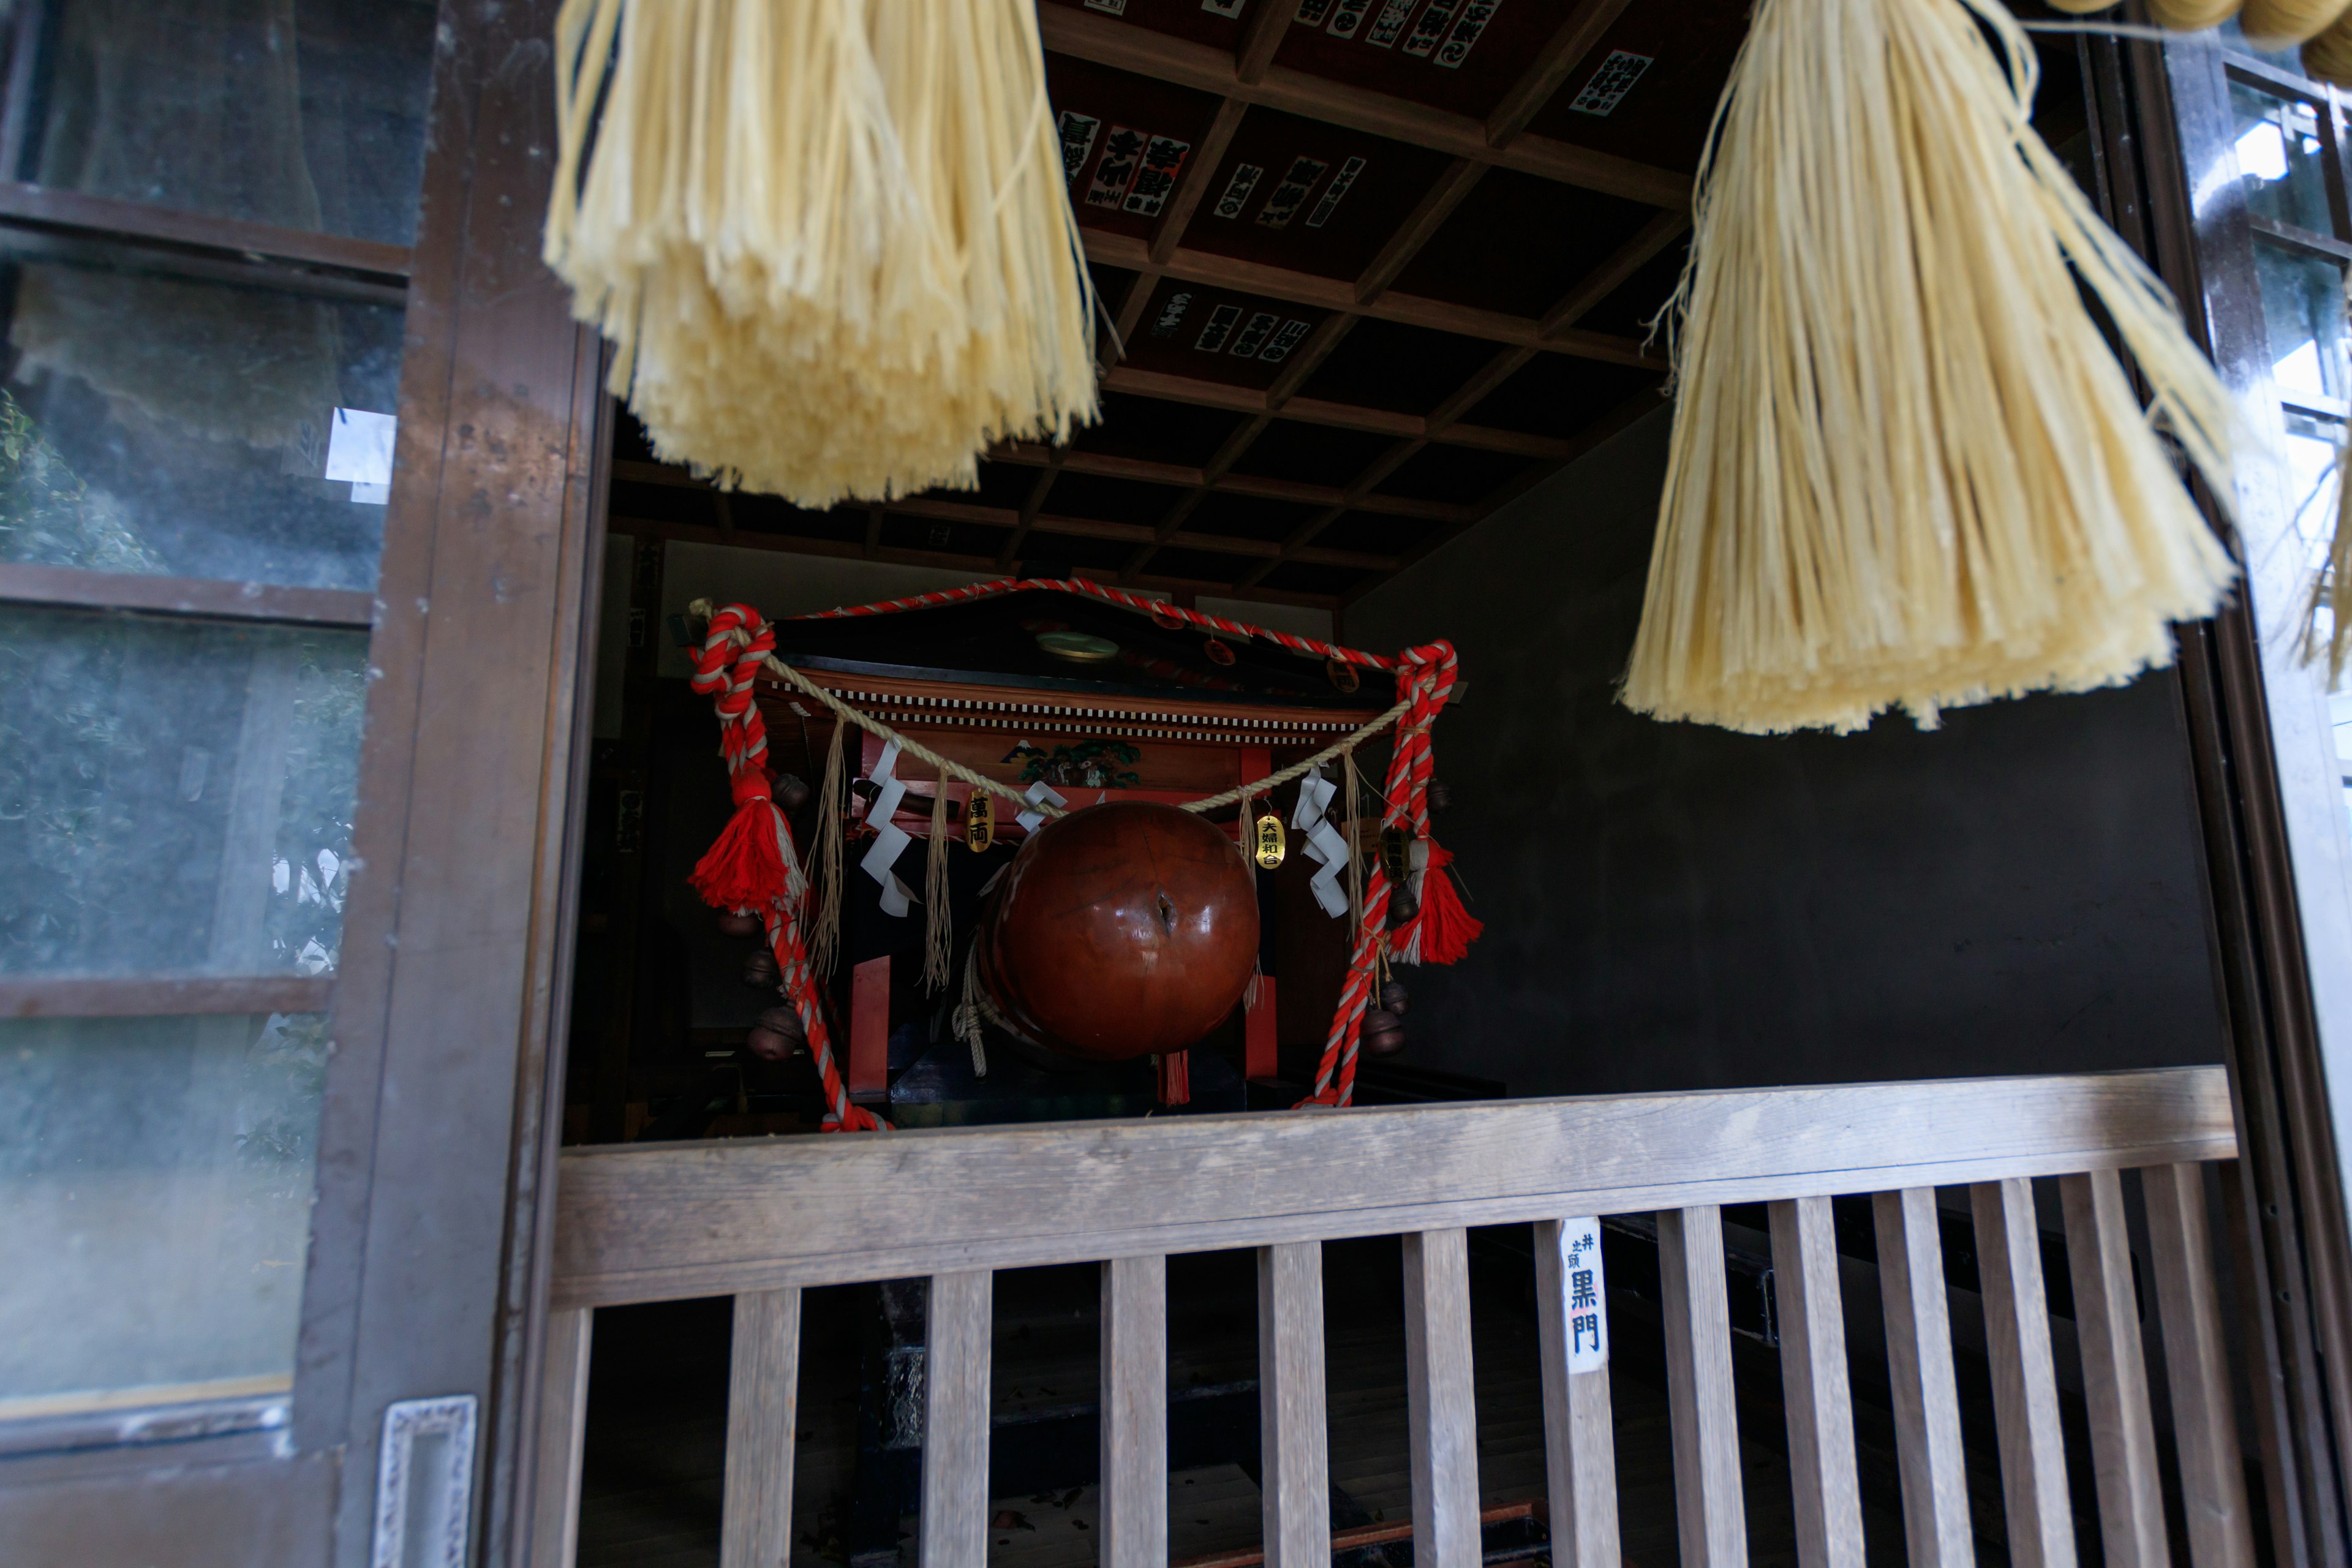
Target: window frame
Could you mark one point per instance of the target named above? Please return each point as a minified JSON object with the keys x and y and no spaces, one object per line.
{"x":436,"y":1140}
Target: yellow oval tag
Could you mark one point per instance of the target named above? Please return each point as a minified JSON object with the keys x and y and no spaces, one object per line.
{"x":980,"y":820}
{"x":1270,"y":845}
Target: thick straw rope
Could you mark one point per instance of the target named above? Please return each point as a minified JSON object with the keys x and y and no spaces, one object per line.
{"x":1906,"y":469}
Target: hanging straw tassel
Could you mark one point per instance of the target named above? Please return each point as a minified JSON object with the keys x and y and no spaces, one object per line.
{"x":829,"y":240}
{"x":1905,"y":469}
{"x":939,"y":931}
{"x":824,"y":927}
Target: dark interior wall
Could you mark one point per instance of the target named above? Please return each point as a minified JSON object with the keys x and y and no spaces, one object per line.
{"x":1673,"y":906}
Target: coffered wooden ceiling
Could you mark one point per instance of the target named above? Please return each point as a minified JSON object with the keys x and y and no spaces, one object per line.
{"x":1370,"y":269}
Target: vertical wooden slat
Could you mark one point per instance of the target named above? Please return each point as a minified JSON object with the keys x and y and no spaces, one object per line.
{"x":562,"y":1425}
{"x":1440,"y":1406}
{"x":1708,"y":1506}
{"x":762,"y":1410}
{"x":2196,"y":1367}
{"x":1580,"y":1442}
{"x":1920,"y":1362}
{"x":2115,"y":1372}
{"x":954,"y":1528}
{"x":1813,"y":1384}
{"x":2024,"y":1381}
{"x":1134,"y":1413}
{"x":1295,"y":1477}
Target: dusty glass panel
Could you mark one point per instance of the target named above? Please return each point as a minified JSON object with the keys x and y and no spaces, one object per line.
{"x":2282,"y":157}
{"x":175,"y":796}
{"x":2233,"y":39}
{"x":176,"y":426}
{"x":2303,"y":314}
{"x":306,"y":114}
{"x":156,"y":1178}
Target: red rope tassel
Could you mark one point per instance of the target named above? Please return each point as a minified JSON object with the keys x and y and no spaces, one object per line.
{"x":744,"y":869}
{"x":1447,"y":928}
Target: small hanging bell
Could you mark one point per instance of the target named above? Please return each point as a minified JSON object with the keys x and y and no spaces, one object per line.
{"x":788,"y":790}
{"x":1392,"y":997}
{"x":1403,"y":905}
{"x":1383,"y":1033}
{"x":759,"y":971}
{"x":1440,"y":797}
{"x":740,"y":923}
{"x":777,"y":1034}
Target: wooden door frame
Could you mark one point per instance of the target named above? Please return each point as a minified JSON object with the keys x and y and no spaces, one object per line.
{"x":2271,"y":802}
{"x":427,"y":1261}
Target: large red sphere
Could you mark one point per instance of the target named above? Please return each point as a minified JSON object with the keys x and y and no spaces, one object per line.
{"x":1124,"y":929}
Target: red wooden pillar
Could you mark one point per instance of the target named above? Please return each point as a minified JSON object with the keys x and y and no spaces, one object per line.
{"x":869,"y":1030}
{"x":1258,"y":1053}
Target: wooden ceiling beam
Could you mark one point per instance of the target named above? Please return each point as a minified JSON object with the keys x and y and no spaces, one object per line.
{"x":979,"y":565}
{"x":943,"y":510}
{"x":1553,"y":65}
{"x":1338,"y":294}
{"x":1318,"y":411}
{"x":1125,"y":46}
{"x":1264,"y":487}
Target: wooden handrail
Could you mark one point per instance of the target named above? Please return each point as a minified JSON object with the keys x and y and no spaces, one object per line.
{"x":640,"y":1224}
{"x":763,"y":1220}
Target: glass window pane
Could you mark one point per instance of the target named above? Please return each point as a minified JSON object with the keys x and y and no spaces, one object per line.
{"x":2303,"y":313}
{"x":303,"y":113}
{"x":175,"y":796}
{"x":2233,"y":39}
{"x":2282,"y":157}
{"x":175,"y":425}
{"x":156,"y":1174}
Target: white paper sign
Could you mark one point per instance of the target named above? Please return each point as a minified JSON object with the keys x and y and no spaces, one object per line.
{"x":359,"y":452}
{"x":1587,"y":1294}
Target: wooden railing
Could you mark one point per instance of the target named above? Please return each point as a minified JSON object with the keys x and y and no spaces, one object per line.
{"x":764,"y":1220}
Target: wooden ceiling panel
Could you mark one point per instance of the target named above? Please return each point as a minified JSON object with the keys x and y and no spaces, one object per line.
{"x":1231,"y":516}
{"x":1199,"y":566}
{"x":1218,"y":334}
{"x":953,"y":537}
{"x":1626,"y":311}
{"x":1381,"y":364}
{"x":1648,"y":90}
{"x":1309,"y":195}
{"x":1219,"y":23}
{"x":1455,"y":474}
{"x":1108,"y":499}
{"x":1375,"y":533}
{"x":1001,"y":484}
{"x":1158,"y":430}
{"x":1541,"y":401}
{"x":661,"y":503}
{"x":1125,"y":140}
{"x":772,"y":515}
{"x":1558,"y":234}
{"x":1308,"y":577}
{"x":1311,"y":454}
{"x":1461,"y":56}
{"x":1052,"y":554}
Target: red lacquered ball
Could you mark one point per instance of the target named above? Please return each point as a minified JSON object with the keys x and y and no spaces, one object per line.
{"x":1121,"y":930}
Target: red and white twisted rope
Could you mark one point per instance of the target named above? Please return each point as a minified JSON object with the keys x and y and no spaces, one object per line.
{"x":1159,"y":609}
{"x":734,"y":649}
{"x":1425,"y":678}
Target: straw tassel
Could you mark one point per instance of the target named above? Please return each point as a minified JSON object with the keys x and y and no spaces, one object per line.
{"x":1905,"y":469}
{"x":824,"y":926}
{"x":939,"y":930}
{"x":830,"y":241}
